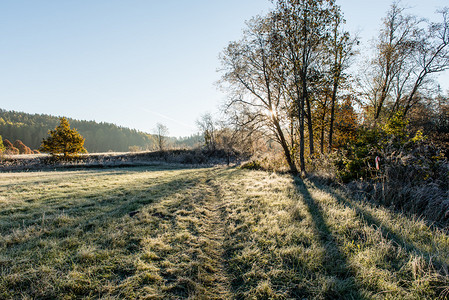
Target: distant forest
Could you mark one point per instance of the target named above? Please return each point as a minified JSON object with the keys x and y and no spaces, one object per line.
{"x":31,"y":129}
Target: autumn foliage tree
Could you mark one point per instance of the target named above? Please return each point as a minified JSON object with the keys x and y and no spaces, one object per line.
{"x":346,"y":124}
{"x":7,"y":144}
{"x":9,"y":148}
{"x":23,"y":149}
{"x":63,"y":140}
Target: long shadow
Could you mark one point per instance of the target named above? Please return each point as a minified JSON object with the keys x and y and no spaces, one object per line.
{"x":122,"y":200}
{"x":337,"y":264}
{"x":387,"y":232}
{"x":138,"y":199}
{"x":82,"y":226}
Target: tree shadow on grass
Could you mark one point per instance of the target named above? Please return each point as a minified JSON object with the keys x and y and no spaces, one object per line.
{"x":94,"y":209}
{"x":336,"y":263}
{"x":107,"y":229}
{"x":387,"y":231}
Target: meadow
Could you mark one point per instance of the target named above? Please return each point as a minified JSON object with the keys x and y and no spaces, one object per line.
{"x":207,"y":233}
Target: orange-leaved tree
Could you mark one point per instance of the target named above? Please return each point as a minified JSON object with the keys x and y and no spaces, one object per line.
{"x":63,"y":140}
{"x":23,"y":149}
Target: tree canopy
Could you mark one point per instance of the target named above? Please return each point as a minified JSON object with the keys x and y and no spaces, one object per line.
{"x":288,"y":76}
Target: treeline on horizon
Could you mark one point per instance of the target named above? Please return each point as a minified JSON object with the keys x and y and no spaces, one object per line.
{"x":31,"y":129}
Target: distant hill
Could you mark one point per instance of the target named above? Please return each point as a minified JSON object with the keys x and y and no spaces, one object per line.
{"x":100,"y":137}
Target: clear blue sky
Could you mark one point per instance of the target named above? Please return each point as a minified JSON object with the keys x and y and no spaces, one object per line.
{"x":135,"y":63}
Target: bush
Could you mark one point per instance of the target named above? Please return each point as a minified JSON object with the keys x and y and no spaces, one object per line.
{"x":2,"y":147}
{"x":252,"y":165}
{"x":413,"y":175}
{"x":416,"y":182}
{"x":12,"y":151}
{"x":357,"y":160}
{"x":23,"y":149}
{"x":7,"y":144}
{"x":9,"y":148}
{"x":135,"y":149}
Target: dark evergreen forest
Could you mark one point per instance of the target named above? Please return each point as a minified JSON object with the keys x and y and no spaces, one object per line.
{"x":100,"y":137}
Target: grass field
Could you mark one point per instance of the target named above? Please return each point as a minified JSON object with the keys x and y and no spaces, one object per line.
{"x":212,"y":233}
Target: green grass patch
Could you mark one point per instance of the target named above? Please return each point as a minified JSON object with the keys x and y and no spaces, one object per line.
{"x":211,"y":233}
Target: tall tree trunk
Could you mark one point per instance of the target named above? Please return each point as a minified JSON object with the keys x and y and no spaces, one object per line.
{"x":333,"y":101}
{"x":300,"y":104}
{"x":304,"y":95}
{"x":322,"y":139}
{"x":301,"y":138}
{"x":285,"y":147}
{"x":310,"y":126}
{"x":301,"y":112}
{"x":323,"y":122}
{"x":410,"y":97}
{"x":383,"y":94}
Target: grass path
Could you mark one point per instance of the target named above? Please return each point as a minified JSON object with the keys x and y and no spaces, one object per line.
{"x":213,"y":233}
{"x":192,"y":229}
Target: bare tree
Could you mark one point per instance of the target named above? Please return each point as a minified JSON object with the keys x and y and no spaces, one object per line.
{"x":206,"y":125}
{"x":431,"y":55}
{"x":252,"y":73}
{"x":304,"y":28}
{"x":339,"y":51}
{"x":409,"y":49}
{"x":392,"y":48}
{"x":161,"y":133}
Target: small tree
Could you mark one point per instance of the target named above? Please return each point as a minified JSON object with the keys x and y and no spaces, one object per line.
{"x":206,"y":125}
{"x":161,"y":133}
{"x":346,"y":124}
{"x":63,"y":140}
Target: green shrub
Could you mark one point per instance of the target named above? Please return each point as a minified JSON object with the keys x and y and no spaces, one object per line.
{"x":357,"y":160}
{"x":2,"y":147}
{"x":252,"y":165}
{"x":413,"y":174}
